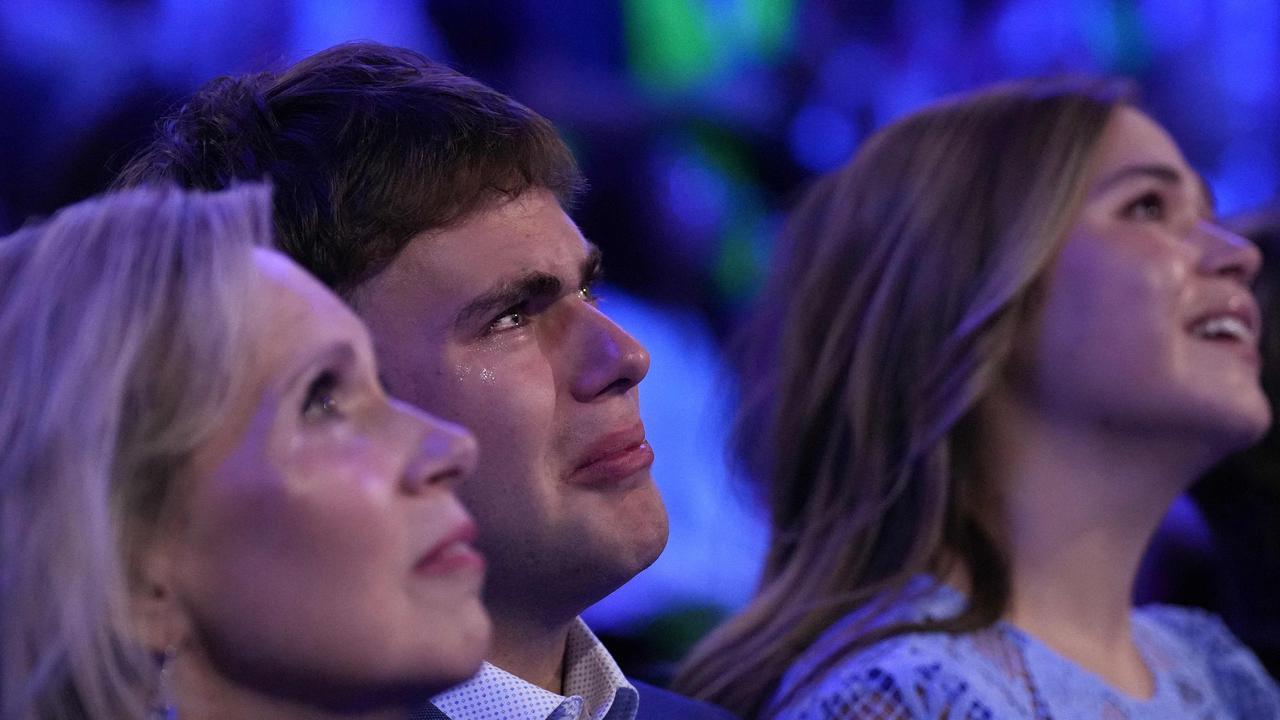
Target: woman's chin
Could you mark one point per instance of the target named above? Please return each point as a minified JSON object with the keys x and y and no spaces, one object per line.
{"x":464,"y":644}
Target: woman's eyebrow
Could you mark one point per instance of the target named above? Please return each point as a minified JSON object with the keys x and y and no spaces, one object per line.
{"x":1166,"y":174}
{"x":339,"y":353}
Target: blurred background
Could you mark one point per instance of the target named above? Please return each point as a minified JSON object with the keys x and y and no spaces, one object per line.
{"x":697,"y":123}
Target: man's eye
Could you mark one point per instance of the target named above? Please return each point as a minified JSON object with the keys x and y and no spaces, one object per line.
{"x":508,"y":320}
{"x":588,"y":293}
{"x":1150,"y":206}
{"x":321,"y":401}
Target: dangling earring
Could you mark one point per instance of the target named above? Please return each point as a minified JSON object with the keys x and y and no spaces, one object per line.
{"x":162,"y":706}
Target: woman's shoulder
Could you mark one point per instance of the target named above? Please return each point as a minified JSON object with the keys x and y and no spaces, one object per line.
{"x":911,"y":675}
{"x":1196,"y":638}
{"x":1196,"y":632}
{"x":925,"y":675}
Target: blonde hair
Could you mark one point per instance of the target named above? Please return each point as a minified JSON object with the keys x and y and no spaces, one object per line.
{"x":892,"y":312}
{"x":119,"y":336}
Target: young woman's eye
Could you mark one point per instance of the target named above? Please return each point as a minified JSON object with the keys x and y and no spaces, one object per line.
{"x":1150,"y":206}
{"x":508,"y":320}
{"x":321,"y":401}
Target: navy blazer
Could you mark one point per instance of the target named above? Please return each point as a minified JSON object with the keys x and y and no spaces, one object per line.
{"x":659,"y":704}
{"x":655,"y":704}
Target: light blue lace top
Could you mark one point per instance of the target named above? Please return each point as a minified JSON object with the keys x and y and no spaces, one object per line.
{"x":1201,"y":671}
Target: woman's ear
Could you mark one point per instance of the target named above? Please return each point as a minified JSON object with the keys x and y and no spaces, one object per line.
{"x":159,"y":619}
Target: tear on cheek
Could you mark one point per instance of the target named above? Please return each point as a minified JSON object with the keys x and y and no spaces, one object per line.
{"x":462,"y":371}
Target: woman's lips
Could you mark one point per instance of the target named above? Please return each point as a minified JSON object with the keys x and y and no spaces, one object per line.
{"x":452,"y":554}
{"x":1235,"y":332}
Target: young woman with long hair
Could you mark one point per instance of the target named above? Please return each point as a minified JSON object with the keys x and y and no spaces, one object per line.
{"x":999,"y":342}
{"x":208,"y":506}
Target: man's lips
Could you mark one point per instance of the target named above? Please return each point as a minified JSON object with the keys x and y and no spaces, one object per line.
{"x":613,"y":458}
{"x":452,"y":553}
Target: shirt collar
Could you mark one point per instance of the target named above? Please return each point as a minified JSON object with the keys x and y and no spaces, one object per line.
{"x":594,"y":685}
{"x":591,"y":673}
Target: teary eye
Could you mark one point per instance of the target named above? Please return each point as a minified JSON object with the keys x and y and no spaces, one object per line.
{"x":510,"y":319}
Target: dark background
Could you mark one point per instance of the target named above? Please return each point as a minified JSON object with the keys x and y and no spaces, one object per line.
{"x":696,"y":121}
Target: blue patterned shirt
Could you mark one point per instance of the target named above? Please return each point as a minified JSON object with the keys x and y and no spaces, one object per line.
{"x":1201,"y":671}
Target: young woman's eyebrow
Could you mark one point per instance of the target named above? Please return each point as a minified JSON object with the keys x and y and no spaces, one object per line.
{"x":1165,"y":174}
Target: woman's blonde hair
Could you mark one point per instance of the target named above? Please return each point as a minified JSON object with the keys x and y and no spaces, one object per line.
{"x":893,"y":310}
{"x":120,"y":335}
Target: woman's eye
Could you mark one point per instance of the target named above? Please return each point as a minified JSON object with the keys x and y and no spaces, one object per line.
{"x":588,"y":293}
{"x":1148,"y":207}
{"x":321,"y":401}
{"x":508,"y":320}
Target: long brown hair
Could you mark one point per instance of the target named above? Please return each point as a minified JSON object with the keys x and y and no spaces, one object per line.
{"x":889,"y":315}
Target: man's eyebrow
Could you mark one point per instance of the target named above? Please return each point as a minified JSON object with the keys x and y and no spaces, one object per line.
{"x":1163,"y":173}
{"x":509,"y":293}
{"x":535,"y":283}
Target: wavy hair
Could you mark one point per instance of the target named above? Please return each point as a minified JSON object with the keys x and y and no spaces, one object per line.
{"x":120,"y":336}
{"x":891,"y":313}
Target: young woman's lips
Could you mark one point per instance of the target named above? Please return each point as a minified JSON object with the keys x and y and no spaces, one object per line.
{"x":1233,"y":330}
{"x":614,"y":458}
{"x":452,"y":554}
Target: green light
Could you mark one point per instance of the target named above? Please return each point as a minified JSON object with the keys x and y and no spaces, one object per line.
{"x":679,"y":44}
{"x":771,"y":24}
{"x":668,"y":41}
{"x":738,"y":270}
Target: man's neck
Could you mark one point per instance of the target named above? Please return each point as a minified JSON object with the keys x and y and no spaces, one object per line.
{"x":532,"y":652}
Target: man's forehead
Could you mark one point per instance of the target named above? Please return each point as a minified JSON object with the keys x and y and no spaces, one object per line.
{"x":524,"y":235}
{"x":442,"y":271}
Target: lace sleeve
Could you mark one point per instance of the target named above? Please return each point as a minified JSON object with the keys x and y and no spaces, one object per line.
{"x":1238,"y":678}
{"x":871,"y":693}
{"x":926,"y":691}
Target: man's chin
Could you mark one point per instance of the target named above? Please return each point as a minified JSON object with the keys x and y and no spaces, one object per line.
{"x":609,"y":573}
{"x":647,"y":529}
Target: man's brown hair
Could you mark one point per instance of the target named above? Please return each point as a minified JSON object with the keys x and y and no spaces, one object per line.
{"x":367,"y":146}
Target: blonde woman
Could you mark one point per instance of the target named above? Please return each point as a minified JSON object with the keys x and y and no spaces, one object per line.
{"x":1002,"y":339}
{"x":208,"y":506}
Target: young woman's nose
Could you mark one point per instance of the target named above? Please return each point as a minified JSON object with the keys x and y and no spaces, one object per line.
{"x":1226,"y":253}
